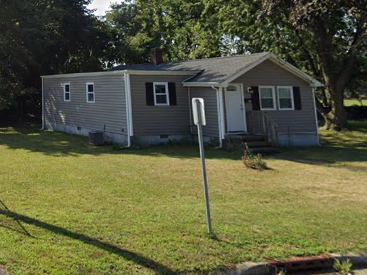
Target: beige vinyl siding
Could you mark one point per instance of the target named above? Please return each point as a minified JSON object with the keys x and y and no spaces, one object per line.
{"x":270,"y":74}
{"x":159,"y":120}
{"x":211,"y":110}
{"x":109,"y":109}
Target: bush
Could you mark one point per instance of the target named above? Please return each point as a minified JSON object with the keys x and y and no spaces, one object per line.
{"x":343,"y":267}
{"x":253,"y":161}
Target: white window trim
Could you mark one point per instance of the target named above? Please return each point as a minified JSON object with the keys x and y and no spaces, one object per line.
{"x":67,"y":83}
{"x":155,"y":95}
{"x":86,"y":92}
{"x":292,"y":100}
{"x":274,"y":101}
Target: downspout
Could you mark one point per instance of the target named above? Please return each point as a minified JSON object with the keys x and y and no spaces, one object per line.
{"x":316,"y":120}
{"x":219,"y":110}
{"x":129,"y":120}
{"x":190,"y":110}
{"x":43,"y":108}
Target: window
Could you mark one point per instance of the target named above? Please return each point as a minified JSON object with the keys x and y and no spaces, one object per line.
{"x":90,"y":92}
{"x":67,"y":92}
{"x":160,"y":93}
{"x":285,"y":98}
{"x":231,"y":88}
{"x":267,"y":98}
{"x":161,"y":96}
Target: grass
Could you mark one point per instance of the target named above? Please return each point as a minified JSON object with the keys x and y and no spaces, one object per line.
{"x":71,"y":208}
{"x":339,"y":149}
{"x":353,"y":101}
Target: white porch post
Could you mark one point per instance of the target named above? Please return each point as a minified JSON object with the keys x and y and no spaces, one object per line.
{"x":220,"y":111}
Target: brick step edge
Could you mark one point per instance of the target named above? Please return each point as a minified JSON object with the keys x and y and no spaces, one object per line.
{"x":359,"y":261}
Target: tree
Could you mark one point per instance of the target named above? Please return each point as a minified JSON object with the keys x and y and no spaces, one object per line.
{"x":47,"y":37}
{"x":176,"y":26}
{"x":326,"y":39}
{"x":337,"y":30}
{"x":140,"y":28}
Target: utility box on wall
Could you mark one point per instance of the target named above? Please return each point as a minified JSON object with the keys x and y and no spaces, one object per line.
{"x":96,"y":137}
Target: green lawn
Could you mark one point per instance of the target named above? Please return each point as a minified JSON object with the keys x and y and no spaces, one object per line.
{"x":67,"y":207}
{"x":352,"y":101}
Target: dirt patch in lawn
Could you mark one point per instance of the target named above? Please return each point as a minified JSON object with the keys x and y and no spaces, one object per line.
{"x":3,"y":270}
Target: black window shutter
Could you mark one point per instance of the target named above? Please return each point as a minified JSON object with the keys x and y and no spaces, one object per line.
{"x":255,"y":99}
{"x":297,"y":98}
{"x":149,"y":93}
{"x":172,"y":93}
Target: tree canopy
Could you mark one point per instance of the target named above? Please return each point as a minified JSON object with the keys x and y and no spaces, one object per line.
{"x":337,"y":31}
{"x":47,"y":37}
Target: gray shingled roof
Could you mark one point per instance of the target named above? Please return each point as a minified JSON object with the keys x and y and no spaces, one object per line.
{"x":212,"y":69}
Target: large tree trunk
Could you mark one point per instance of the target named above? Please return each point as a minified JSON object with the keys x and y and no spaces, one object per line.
{"x":20,"y":109}
{"x":336,"y":116}
{"x":336,"y":73}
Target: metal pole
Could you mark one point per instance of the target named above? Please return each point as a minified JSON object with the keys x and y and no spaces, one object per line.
{"x":202,"y":155}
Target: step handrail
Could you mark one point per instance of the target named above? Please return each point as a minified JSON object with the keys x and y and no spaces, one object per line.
{"x":270,"y":128}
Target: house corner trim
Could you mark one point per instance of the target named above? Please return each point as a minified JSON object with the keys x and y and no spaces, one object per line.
{"x":316,"y":120}
{"x":43,"y":106}
{"x":129,"y":117}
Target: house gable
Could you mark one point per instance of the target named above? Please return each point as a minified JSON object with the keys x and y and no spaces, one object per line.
{"x":269,"y":73}
{"x":299,"y":120}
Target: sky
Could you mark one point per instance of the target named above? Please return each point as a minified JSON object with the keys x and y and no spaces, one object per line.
{"x":101,"y":6}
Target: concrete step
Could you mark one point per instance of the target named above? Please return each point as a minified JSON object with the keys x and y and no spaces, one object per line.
{"x":264,"y":150}
{"x":245,"y":138}
{"x":255,"y":144}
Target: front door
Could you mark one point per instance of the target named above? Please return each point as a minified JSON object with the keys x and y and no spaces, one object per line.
{"x":235,"y":109}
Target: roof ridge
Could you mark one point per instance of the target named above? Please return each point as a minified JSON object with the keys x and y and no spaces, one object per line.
{"x":188,"y":61}
{"x":213,"y":58}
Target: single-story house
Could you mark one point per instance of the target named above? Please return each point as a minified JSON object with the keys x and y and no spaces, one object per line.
{"x":151,"y":103}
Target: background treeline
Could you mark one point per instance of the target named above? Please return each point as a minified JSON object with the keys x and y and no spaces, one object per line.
{"x":40,"y":37}
{"x":326,"y":39}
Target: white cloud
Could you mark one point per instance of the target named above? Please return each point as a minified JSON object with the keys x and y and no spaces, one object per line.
{"x":100,"y":5}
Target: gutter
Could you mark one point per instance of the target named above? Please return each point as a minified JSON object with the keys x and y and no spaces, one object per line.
{"x":219,"y":116}
{"x":190,"y":109}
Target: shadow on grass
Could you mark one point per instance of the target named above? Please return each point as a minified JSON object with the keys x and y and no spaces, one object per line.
{"x":20,"y":229}
{"x":48,"y":143}
{"x":128,"y":255}
{"x":61,"y":144}
{"x":336,"y":148}
{"x":324,"y":156}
